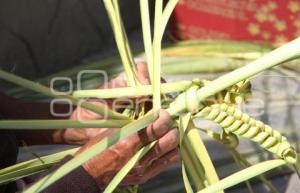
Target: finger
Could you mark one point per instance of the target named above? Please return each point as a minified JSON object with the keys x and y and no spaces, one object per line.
{"x":121,"y":80}
{"x":136,"y":141}
{"x":142,"y":71}
{"x":157,"y":129}
{"x":82,"y":136}
{"x":103,"y":132}
{"x":131,"y":144}
{"x":85,"y":114}
{"x":143,"y":74}
{"x":105,"y":165}
{"x":164,"y":145}
{"x":118,"y":82}
{"x":157,"y":167}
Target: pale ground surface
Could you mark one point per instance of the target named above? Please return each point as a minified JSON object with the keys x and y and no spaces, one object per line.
{"x":275,"y":96}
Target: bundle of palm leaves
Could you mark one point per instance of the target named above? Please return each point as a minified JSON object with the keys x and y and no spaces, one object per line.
{"x":215,"y":101}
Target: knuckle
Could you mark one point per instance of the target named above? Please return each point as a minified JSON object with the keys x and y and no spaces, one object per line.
{"x":165,"y":116}
{"x":173,"y":137}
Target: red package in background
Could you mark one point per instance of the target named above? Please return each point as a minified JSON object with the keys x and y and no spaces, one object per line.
{"x":273,"y":21}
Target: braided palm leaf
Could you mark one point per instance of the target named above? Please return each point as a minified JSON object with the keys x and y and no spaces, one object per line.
{"x":235,"y":121}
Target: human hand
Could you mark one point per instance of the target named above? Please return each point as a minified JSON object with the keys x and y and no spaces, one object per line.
{"x":81,"y":136}
{"x":104,"y":166}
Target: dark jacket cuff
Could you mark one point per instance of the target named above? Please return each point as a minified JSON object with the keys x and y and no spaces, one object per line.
{"x":77,"y":181}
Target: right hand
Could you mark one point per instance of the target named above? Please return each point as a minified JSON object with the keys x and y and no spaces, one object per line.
{"x":105,"y":166}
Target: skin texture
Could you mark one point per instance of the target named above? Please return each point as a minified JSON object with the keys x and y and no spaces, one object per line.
{"x":81,"y":136}
{"x":104,"y":166}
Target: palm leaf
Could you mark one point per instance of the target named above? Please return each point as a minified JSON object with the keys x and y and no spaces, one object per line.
{"x":127,"y":167}
{"x":47,"y":91}
{"x":199,"y":161}
{"x":33,"y":166}
{"x":91,"y":152}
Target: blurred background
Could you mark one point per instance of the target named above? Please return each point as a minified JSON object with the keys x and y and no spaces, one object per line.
{"x":41,"y":40}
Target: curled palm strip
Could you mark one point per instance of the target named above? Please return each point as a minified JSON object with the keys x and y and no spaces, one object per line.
{"x":219,"y":110}
{"x":234,"y":121}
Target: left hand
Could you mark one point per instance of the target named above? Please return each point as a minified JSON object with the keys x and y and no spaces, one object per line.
{"x":81,"y":136}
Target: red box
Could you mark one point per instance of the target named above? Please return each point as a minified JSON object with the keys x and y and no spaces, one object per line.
{"x":275,"y":21}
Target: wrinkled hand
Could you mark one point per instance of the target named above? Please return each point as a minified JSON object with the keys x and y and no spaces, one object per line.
{"x":81,"y":136}
{"x":104,"y":166}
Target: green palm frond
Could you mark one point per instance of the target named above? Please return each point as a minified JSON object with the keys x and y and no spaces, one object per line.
{"x":191,"y":102}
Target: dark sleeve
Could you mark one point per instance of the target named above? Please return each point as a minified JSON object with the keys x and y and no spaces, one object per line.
{"x":78,"y":181}
{"x":8,"y":156}
{"x":42,"y":37}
